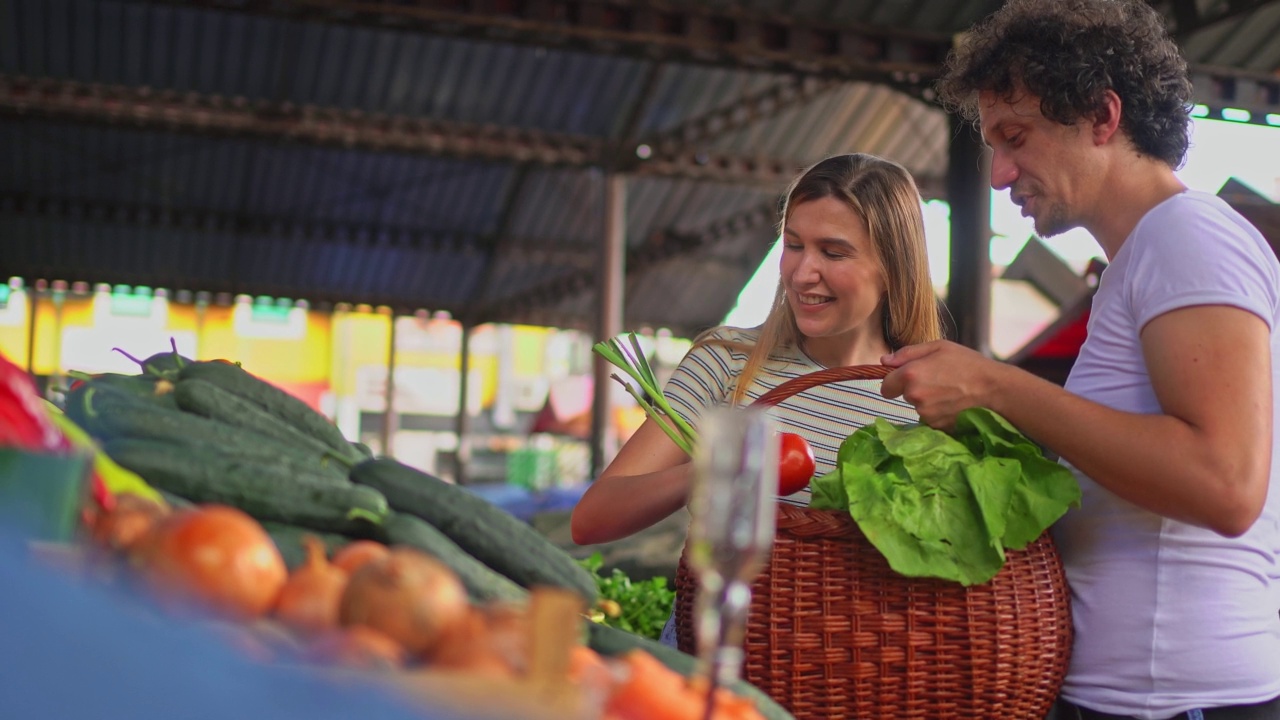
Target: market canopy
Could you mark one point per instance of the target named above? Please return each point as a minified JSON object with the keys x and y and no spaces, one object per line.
{"x":455,"y":156}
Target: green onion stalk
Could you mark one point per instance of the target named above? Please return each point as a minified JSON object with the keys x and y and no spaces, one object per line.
{"x":630,"y":358}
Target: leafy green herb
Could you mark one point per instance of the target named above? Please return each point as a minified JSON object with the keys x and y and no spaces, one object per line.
{"x":641,"y":608}
{"x":947,"y":506}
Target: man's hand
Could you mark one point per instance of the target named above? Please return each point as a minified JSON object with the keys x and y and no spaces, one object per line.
{"x":940,"y":379}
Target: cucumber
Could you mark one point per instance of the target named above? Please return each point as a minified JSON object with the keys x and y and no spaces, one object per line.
{"x":164,"y":365}
{"x":105,"y":411}
{"x":610,"y":642}
{"x":482,"y":583}
{"x":203,"y":475}
{"x":488,"y":533}
{"x":208,"y":400}
{"x":107,"y":414}
{"x":288,"y":540}
{"x":143,"y":387}
{"x":236,"y":380}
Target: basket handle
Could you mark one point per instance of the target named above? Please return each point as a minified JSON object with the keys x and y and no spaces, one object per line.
{"x":798,"y":385}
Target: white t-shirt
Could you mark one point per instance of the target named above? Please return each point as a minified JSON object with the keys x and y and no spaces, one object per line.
{"x":1170,"y":617}
{"x":824,"y":415}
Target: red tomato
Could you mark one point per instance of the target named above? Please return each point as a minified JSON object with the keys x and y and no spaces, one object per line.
{"x":795,"y":464}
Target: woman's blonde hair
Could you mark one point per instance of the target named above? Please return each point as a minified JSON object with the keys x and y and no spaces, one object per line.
{"x":884,"y":194}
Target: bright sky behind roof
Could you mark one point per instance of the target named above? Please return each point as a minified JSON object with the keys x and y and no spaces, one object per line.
{"x":1219,"y":150}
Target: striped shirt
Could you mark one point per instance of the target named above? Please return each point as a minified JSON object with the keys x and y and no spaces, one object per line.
{"x":824,"y":415}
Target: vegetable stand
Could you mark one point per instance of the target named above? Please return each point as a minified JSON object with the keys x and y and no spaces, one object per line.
{"x":241,"y":506}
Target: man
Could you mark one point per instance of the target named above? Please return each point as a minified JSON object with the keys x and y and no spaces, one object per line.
{"x":1169,"y":418}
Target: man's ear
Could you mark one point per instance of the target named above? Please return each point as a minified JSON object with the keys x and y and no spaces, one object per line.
{"x":1106,"y":121}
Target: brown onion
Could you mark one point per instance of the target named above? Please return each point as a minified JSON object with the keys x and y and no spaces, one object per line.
{"x":469,"y":645}
{"x":308,"y":602}
{"x":132,"y":519}
{"x":409,"y":595}
{"x":217,"y":556}
{"x":354,"y":554}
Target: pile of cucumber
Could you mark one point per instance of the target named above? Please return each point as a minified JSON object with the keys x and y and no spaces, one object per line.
{"x":211,"y":432}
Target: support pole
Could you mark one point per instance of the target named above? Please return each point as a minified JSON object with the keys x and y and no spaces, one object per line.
{"x":389,"y":418}
{"x":463,"y":427}
{"x":202,"y":313}
{"x":30,"y":293}
{"x":609,"y":322}
{"x":969,"y":193}
{"x":59,"y":295}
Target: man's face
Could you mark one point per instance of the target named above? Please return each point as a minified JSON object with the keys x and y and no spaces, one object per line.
{"x":1042,"y":163}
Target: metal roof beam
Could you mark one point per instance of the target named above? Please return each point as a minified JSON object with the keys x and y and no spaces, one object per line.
{"x":149,"y":109}
{"x":789,"y":93}
{"x":539,"y":250}
{"x":231,"y":223}
{"x":647,"y":29}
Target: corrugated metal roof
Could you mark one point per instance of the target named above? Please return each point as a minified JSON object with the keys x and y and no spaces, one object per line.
{"x":242,"y":212}
{"x":1248,"y":41}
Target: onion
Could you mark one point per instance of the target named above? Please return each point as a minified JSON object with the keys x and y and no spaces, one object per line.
{"x":469,"y":645}
{"x":214,"y":555}
{"x":409,"y":595}
{"x":357,"y":647}
{"x":509,"y":633}
{"x":308,"y":602}
{"x":132,"y":519}
{"x":354,"y":554}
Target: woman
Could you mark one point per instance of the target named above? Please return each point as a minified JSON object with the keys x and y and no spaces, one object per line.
{"x":854,"y":286}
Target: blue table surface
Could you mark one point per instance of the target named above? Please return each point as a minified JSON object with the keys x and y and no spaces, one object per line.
{"x":525,"y":503}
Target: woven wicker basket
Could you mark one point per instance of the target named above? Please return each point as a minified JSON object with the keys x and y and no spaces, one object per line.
{"x":834,"y":632}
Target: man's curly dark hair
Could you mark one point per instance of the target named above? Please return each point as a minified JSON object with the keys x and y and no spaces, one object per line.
{"x":1068,"y":53}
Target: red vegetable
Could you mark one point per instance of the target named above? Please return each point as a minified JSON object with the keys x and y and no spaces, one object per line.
{"x":23,"y":423}
{"x":795,"y":464}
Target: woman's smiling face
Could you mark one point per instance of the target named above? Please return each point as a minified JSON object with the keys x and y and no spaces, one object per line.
{"x":834,"y":281}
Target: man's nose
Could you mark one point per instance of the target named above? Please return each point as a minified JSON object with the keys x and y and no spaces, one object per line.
{"x":1003,"y":171}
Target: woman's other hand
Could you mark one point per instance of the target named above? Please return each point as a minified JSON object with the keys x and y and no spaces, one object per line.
{"x":645,"y":483}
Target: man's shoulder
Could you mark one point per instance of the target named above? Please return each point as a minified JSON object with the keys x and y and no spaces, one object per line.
{"x":1193,"y":204}
{"x":1198,"y":216}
